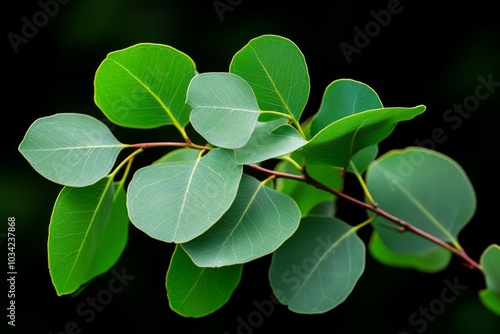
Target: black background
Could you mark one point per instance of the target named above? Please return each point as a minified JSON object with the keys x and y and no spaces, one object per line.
{"x":431,"y":54}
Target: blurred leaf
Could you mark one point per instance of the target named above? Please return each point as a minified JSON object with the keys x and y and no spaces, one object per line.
{"x":434,"y":261}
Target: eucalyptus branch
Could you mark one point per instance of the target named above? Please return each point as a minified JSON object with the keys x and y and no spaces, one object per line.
{"x":405,"y":226}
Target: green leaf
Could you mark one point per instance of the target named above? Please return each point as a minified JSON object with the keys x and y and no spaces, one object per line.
{"x":317,"y":268}
{"x":70,"y":149}
{"x":490,"y":300}
{"x":269,"y":140}
{"x":425,"y":188}
{"x":87,"y":233}
{"x":305,"y":195}
{"x":277,"y":71}
{"x":177,"y":201}
{"x":225,"y":110}
{"x":342,"y":98}
{"x":196,"y":292}
{"x":258,"y":222}
{"x":336,"y":144}
{"x":490,"y":261}
{"x":431,"y":262}
{"x":144,"y":86}
{"x":362,"y":159}
{"x":180,"y":154}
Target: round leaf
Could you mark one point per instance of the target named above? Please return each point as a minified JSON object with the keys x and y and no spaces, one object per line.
{"x":225,"y":111}
{"x":277,"y":71}
{"x":258,"y":222}
{"x":425,"y":188}
{"x":177,"y":201}
{"x":144,"y":86}
{"x":70,"y":149}
{"x":317,"y":268}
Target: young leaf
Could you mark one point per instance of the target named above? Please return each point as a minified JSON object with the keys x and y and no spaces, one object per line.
{"x":269,"y":140}
{"x":425,"y":188}
{"x":144,"y":86}
{"x":317,"y":268}
{"x":362,"y":159}
{"x":70,"y":149}
{"x":277,"y":71}
{"x":490,"y":261}
{"x":342,"y":98}
{"x":177,"y":201}
{"x":196,"y":292}
{"x":431,"y":262}
{"x":257,"y":223}
{"x":87,"y":233}
{"x":336,"y":144}
{"x":225,"y":110}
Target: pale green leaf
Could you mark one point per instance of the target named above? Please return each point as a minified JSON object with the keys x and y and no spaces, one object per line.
{"x":70,"y":149}
{"x":258,"y":222}
{"x":177,"y":201}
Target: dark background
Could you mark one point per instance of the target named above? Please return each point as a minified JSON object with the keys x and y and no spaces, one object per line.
{"x":431,"y":54}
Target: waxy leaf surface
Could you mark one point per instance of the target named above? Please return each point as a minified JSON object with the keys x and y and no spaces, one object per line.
{"x":70,"y":149}
{"x":425,"y":188}
{"x":258,"y":222}
{"x":277,"y":71}
{"x":336,"y":144}
{"x":177,"y":201}
{"x":144,"y":86}
{"x":225,"y":110}
{"x":317,"y":268}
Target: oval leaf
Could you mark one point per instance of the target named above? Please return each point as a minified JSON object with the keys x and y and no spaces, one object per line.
{"x":490,"y":261}
{"x":277,"y":71}
{"x":225,"y":110}
{"x":177,"y":201}
{"x":258,"y":222}
{"x":336,"y":144}
{"x":342,"y":98}
{"x":317,"y":268}
{"x":269,"y":140}
{"x":195,"y":292}
{"x":70,"y":149}
{"x":87,"y":233}
{"x":144,"y":86}
{"x":425,"y":188}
